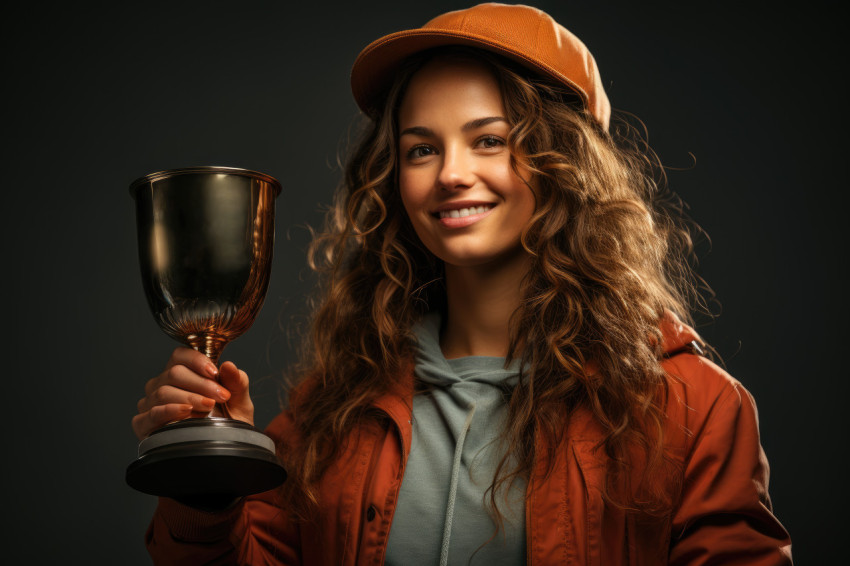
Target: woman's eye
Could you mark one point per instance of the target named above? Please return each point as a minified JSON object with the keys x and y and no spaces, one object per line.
{"x":491,"y":142}
{"x":420,"y":151}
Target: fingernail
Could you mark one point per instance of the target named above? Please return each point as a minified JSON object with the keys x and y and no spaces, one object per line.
{"x":223,"y":394}
{"x":207,"y":402}
{"x":211,"y":370}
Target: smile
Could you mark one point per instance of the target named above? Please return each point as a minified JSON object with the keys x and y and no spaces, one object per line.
{"x":463,"y":217}
{"x":464,"y":212}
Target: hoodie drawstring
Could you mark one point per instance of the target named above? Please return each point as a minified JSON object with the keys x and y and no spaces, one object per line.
{"x":450,"y":507}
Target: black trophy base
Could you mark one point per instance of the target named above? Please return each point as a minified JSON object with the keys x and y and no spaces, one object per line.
{"x":206,"y":462}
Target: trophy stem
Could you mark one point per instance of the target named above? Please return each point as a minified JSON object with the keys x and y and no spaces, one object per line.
{"x":210,"y":345}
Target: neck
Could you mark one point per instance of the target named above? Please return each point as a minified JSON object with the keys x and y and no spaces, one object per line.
{"x":481,"y":301}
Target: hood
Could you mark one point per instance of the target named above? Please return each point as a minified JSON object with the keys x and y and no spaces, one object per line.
{"x":433,"y":368}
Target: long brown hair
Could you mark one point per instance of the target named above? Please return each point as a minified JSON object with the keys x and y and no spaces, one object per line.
{"x":610,"y":256}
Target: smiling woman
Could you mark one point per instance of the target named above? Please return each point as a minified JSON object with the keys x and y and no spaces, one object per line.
{"x":500,"y":367}
{"x":465,"y":201}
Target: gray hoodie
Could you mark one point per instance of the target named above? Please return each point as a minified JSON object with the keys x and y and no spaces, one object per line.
{"x":441,"y":517}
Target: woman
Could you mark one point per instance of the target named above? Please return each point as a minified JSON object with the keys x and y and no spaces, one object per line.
{"x":498,"y":369}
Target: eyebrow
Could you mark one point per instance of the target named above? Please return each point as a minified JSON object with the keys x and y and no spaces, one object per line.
{"x":471,"y":125}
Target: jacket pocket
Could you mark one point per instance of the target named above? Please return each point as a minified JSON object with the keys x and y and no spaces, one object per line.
{"x":614,"y":536}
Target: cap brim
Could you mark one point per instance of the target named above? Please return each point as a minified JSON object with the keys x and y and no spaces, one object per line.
{"x":373,"y":71}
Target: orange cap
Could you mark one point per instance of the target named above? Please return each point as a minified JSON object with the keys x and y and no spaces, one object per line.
{"x":524,"y":34}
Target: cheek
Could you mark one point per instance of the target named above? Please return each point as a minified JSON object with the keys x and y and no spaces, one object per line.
{"x":525,"y":201}
{"x":501,"y":174}
{"x":517,"y":189}
{"x":412,"y":194}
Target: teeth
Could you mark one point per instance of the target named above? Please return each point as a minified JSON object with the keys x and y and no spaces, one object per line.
{"x":461,"y":212}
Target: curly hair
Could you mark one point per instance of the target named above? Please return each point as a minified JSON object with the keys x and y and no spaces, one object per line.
{"x":610,"y":253}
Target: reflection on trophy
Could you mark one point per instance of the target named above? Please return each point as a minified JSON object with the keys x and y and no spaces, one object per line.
{"x":205,"y":248}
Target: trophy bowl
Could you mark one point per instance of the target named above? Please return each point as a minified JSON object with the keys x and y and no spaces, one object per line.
{"x":205,"y":237}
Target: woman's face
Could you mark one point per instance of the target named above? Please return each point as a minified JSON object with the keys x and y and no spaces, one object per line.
{"x":466,"y":203}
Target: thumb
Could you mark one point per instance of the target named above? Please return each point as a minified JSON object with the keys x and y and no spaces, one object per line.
{"x":235,"y":381}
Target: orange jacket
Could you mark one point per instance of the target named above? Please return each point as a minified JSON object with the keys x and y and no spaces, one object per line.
{"x":724,"y":515}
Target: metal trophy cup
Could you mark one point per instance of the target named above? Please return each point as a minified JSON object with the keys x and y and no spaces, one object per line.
{"x":205,"y":248}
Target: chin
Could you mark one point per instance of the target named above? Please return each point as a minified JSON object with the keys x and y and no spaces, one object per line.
{"x":480,"y":258}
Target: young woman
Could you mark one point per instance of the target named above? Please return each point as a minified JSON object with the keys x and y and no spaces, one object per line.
{"x":498,"y":370}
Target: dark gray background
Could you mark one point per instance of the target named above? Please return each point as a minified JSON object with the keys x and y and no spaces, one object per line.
{"x":100,"y":94}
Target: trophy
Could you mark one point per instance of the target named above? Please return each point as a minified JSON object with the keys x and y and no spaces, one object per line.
{"x":205,"y":248}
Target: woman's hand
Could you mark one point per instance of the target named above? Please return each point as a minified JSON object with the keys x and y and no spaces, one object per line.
{"x":190,"y":386}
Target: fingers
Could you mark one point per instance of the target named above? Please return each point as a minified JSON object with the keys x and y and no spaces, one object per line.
{"x":168,"y":394}
{"x":160,"y":390}
{"x":194,"y":360}
{"x":183,"y":358}
{"x":147,"y":422}
{"x":236,"y":381}
{"x":189,"y":386}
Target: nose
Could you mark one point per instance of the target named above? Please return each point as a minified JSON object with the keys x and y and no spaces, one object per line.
{"x":456,"y":171}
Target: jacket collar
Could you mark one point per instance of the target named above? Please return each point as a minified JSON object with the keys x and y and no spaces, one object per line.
{"x":677,"y":337}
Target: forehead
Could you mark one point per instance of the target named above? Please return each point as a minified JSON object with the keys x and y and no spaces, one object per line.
{"x":450,"y":84}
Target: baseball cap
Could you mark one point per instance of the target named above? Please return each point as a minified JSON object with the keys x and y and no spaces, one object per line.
{"x":521,"y":33}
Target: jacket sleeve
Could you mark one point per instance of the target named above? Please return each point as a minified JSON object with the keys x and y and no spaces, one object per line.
{"x":725,"y":514}
{"x":254,"y":531}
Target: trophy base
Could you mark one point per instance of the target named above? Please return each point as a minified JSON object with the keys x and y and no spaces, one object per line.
{"x":206,"y":462}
